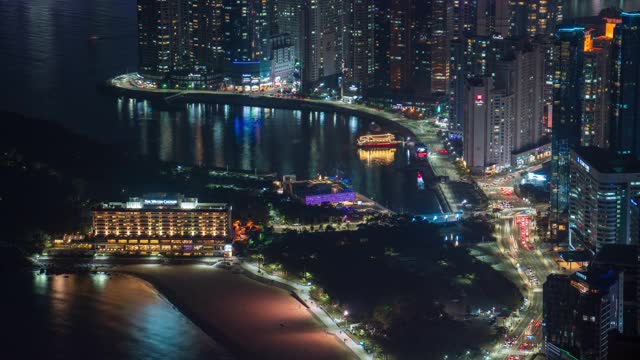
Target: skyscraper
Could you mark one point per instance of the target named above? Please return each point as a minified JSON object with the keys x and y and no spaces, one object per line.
{"x":421,"y":46}
{"x":180,"y":40}
{"x":400,"y":43}
{"x":158,"y":37}
{"x":441,"y":32}
{"x":205,"y":40}
{"x":246,"y":30}
{"x":493,"y":17}
{"x":360,"y":41}
{"x":381,"y":30}
{"x":568,"y":90}
{"x":595,"y":116}
{"x":531,"y":18}
{"x":625,"y":83}
{"x":463,"y":18}
{"x":287,"y":15}
{"x":579,"y":311}
{"x":488,"y":119}
{"x":528,"y":85}
{"x":322,"y":30}
{"x":601,"y":186}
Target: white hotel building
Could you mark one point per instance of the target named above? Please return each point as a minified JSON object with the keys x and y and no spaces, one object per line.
{"x":163,"y":224}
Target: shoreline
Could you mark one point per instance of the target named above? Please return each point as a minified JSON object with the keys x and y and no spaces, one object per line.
{"x":226,"y":343}
{"x":234,"y":345}
{"x":257,"y":100}
{"x":184,"y":97}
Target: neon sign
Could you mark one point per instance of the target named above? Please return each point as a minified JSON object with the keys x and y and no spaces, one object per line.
{"x":160,"y":202}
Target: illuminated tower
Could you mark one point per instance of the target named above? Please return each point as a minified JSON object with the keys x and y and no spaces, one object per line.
{"x":205,"y":38}
{"x":625,"y":80}
{"x":287,"y":15}
{"x":360,"y":41}
{"x":400,"y":53}
{"x":568,"y":85}
{"x":158,"y":37}
{"x":177,"y":37}
{"x":595,"y":116}
{"x":441,"y":31}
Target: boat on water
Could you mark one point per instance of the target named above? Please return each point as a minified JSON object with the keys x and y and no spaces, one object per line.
{"x":380,"y":140}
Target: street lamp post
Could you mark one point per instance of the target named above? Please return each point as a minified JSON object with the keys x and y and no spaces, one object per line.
{"x":346,"y":322}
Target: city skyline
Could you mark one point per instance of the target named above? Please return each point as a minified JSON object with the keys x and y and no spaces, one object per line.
{"x":370,"y":179}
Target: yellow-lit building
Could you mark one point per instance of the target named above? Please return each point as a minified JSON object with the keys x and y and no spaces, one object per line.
{"x":163,"y":224}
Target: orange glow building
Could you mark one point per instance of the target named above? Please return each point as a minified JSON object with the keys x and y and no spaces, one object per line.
{"x":163,"y":224}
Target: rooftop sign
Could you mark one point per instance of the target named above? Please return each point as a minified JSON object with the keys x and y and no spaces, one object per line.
{"x":156,"y":202}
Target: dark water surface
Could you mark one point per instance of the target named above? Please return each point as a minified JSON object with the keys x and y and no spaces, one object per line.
{"x":52,"y":68}
{"x":49,"y":68}
{"x":95,"y":317}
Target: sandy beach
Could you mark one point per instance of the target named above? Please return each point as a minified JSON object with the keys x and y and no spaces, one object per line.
{"x":252,"y":320}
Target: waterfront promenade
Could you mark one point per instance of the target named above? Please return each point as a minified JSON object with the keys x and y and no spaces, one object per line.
{"x":450,"y":195}
{"x":302,"y":291}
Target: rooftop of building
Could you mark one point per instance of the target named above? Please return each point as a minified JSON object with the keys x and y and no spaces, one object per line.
{"x":607,"y":161}
{"x":596,"y":279}
{"x":617,"y":254}
{"x":162,"y":201}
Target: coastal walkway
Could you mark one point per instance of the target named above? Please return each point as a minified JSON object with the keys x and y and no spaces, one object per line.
{"x":450,"y":194}
{"x":302,"y":292}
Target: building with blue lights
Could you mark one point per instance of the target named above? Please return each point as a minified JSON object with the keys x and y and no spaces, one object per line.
{"x":602,"y":186}
{"x":568,"y":90}
{"x":625,"y":86}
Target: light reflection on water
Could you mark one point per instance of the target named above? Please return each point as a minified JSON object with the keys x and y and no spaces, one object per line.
{"x":96,"y":317}
{"x":303,"y":143}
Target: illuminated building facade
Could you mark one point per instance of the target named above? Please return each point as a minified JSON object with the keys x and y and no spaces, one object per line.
{"x":421,"y":48}
{"x":527,"y":81}
{"x":318,"y":192}
{"x":531,"y":18}
{"x":360,"y":42}
{"x":464,"y":14}
{"x":180,"y":40}
{"x":595,"y":117}
{"x":246,"y":40}
{"x":157,"y":37}
{"x":162,"y":224}
{"x":322,"y":39}
{"x":440,"y":39}
{"x":282,"y":59}
{"x":400,"y":43}
{"x":488,"y":120}
{"x":568,"y":90}
{"x":579,"y":311}
{"x":287,"y":21}
{"x":602,"y":185}
{"x":625,"y":86}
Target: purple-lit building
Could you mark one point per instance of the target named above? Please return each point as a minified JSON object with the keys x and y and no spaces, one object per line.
{"x":345,"y":196}
{"x":316,"y":192}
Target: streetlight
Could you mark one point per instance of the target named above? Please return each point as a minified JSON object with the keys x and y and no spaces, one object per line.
{"x":346,"y":322}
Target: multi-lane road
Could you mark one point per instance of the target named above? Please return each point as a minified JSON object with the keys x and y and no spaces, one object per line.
{"x":527,"y":264}
{"x":528,"y":268}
